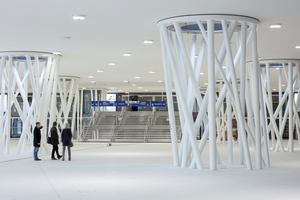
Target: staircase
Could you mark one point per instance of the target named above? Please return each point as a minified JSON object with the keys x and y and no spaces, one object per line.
{"x":130,"y":126}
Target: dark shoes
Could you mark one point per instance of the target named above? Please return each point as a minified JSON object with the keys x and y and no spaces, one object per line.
{"x":59,"y":157}
{"x":38,"y":159}
{"x":54,"y":159}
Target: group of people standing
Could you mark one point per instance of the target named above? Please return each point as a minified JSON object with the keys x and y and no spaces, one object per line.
{"x":53,"y":139}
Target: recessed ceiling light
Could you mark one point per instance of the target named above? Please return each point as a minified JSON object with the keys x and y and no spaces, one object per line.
{"x":56,"y":52}
{"x":137,"y":77}
{"x":275,"y":25}
{"x":277,"y":68}
{"x":146,"y":90}
{"x":196,"y":56}
{"x":297,"y":47}
{"x":133,"y":84}
{"x":111,"y":63}
{"x":91,"y":76}
{"x":99,"y":70}
{"x":224,"y":67}
{"x":64,"y":37}
{"x":148,"y":41}
{"x":283,"y":85}
{"x":125,"y":81}
{"x":126,"y":54}
{"x":78,"y":17}
{"x":160,"y":81}
{"x":151,"y":72}
{"x":93,"y":81}
{"x":205,"y":83}
{"x":140,"y":87}
{"x":275,"y":89}
{"x":202,"y":73}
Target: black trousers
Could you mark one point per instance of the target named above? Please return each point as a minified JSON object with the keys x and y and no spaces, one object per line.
{"x":55,"y":149}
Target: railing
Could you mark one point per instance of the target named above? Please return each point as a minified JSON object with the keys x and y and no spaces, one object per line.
{"x":82,"y":135}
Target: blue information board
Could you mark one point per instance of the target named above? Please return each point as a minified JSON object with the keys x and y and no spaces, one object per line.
{"x":94,"y":103}
{"x":129,"y":103}
{"x":106,"y":103}
{"x":144,"y":103}
{"x":158,"y":104}
{"x":122,"y":104}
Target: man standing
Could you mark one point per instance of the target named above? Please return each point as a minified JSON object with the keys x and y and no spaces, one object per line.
{"x":55,"y":141}
{"x":37,"y":140}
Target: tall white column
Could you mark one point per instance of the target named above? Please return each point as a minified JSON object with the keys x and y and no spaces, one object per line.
{"x":179,"y":56}
{"x":291,"y":114}
{"x":23,"y":73}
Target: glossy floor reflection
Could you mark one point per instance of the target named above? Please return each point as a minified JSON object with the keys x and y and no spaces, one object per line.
{"x":143,"y":171}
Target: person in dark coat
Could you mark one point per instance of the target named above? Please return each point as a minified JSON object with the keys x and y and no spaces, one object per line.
{"x":37,"y":141}
{"x":66,"y":137}
{"x":54,"y":141}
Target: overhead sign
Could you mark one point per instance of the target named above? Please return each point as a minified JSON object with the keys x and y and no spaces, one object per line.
{"x":106,"y":103}
{"x":121,"y":104}
{"x":145,"y":103}
{"x":129,"y":103}
{"x":158,"y":104}
{"x":94,"y":103}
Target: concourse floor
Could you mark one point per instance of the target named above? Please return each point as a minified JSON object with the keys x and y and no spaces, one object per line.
{"x":144,"y":172}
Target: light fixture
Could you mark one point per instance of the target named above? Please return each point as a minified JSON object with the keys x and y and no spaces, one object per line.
{"x":133,"y":84}
{"x":111,"y":63}
{"x":56,"y":52}
{"x":140,"y":87}
{"x":125,"y":81}
{"x":91,"y":76}
{"x":196,"y":56}
{"x":224,"y":67}
{"x":277,"y":68}
{"x":202,"y":73}
{"x":126,"y":54}
{"x":151,"y":72}
{"x":137,"y":77}
{"x":205,"y":83}
{"x":93,"y":81}
{"x":78,"y":17}
{"x":148,"y":41}
{"x":275,"y":25}
{"x":297,"y":47}
{"x":275,"y":89}
{"x":99,"y":70}
{"x":64,"y":37}
{"x":160,"y":81}
{"x":283,"y":85}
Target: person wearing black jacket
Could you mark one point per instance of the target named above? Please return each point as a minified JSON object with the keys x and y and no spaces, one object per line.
{"x":54,"y":141}
{"x":66,"y":137}
{"x":37,"y":141}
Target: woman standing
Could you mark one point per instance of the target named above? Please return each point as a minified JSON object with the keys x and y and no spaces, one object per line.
{"x":66,"y":137}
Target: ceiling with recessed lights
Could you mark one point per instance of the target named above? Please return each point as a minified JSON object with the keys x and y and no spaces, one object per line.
{"x":119,"y":40}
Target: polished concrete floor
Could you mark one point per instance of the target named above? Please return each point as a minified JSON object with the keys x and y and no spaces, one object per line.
{"x":143,"y":172}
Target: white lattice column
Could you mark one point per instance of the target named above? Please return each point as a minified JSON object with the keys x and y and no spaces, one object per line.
{"x":24,"y":73}
{"x":180,"y":63}
{"x":67,"y":88}
{"x":288,"y":73}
